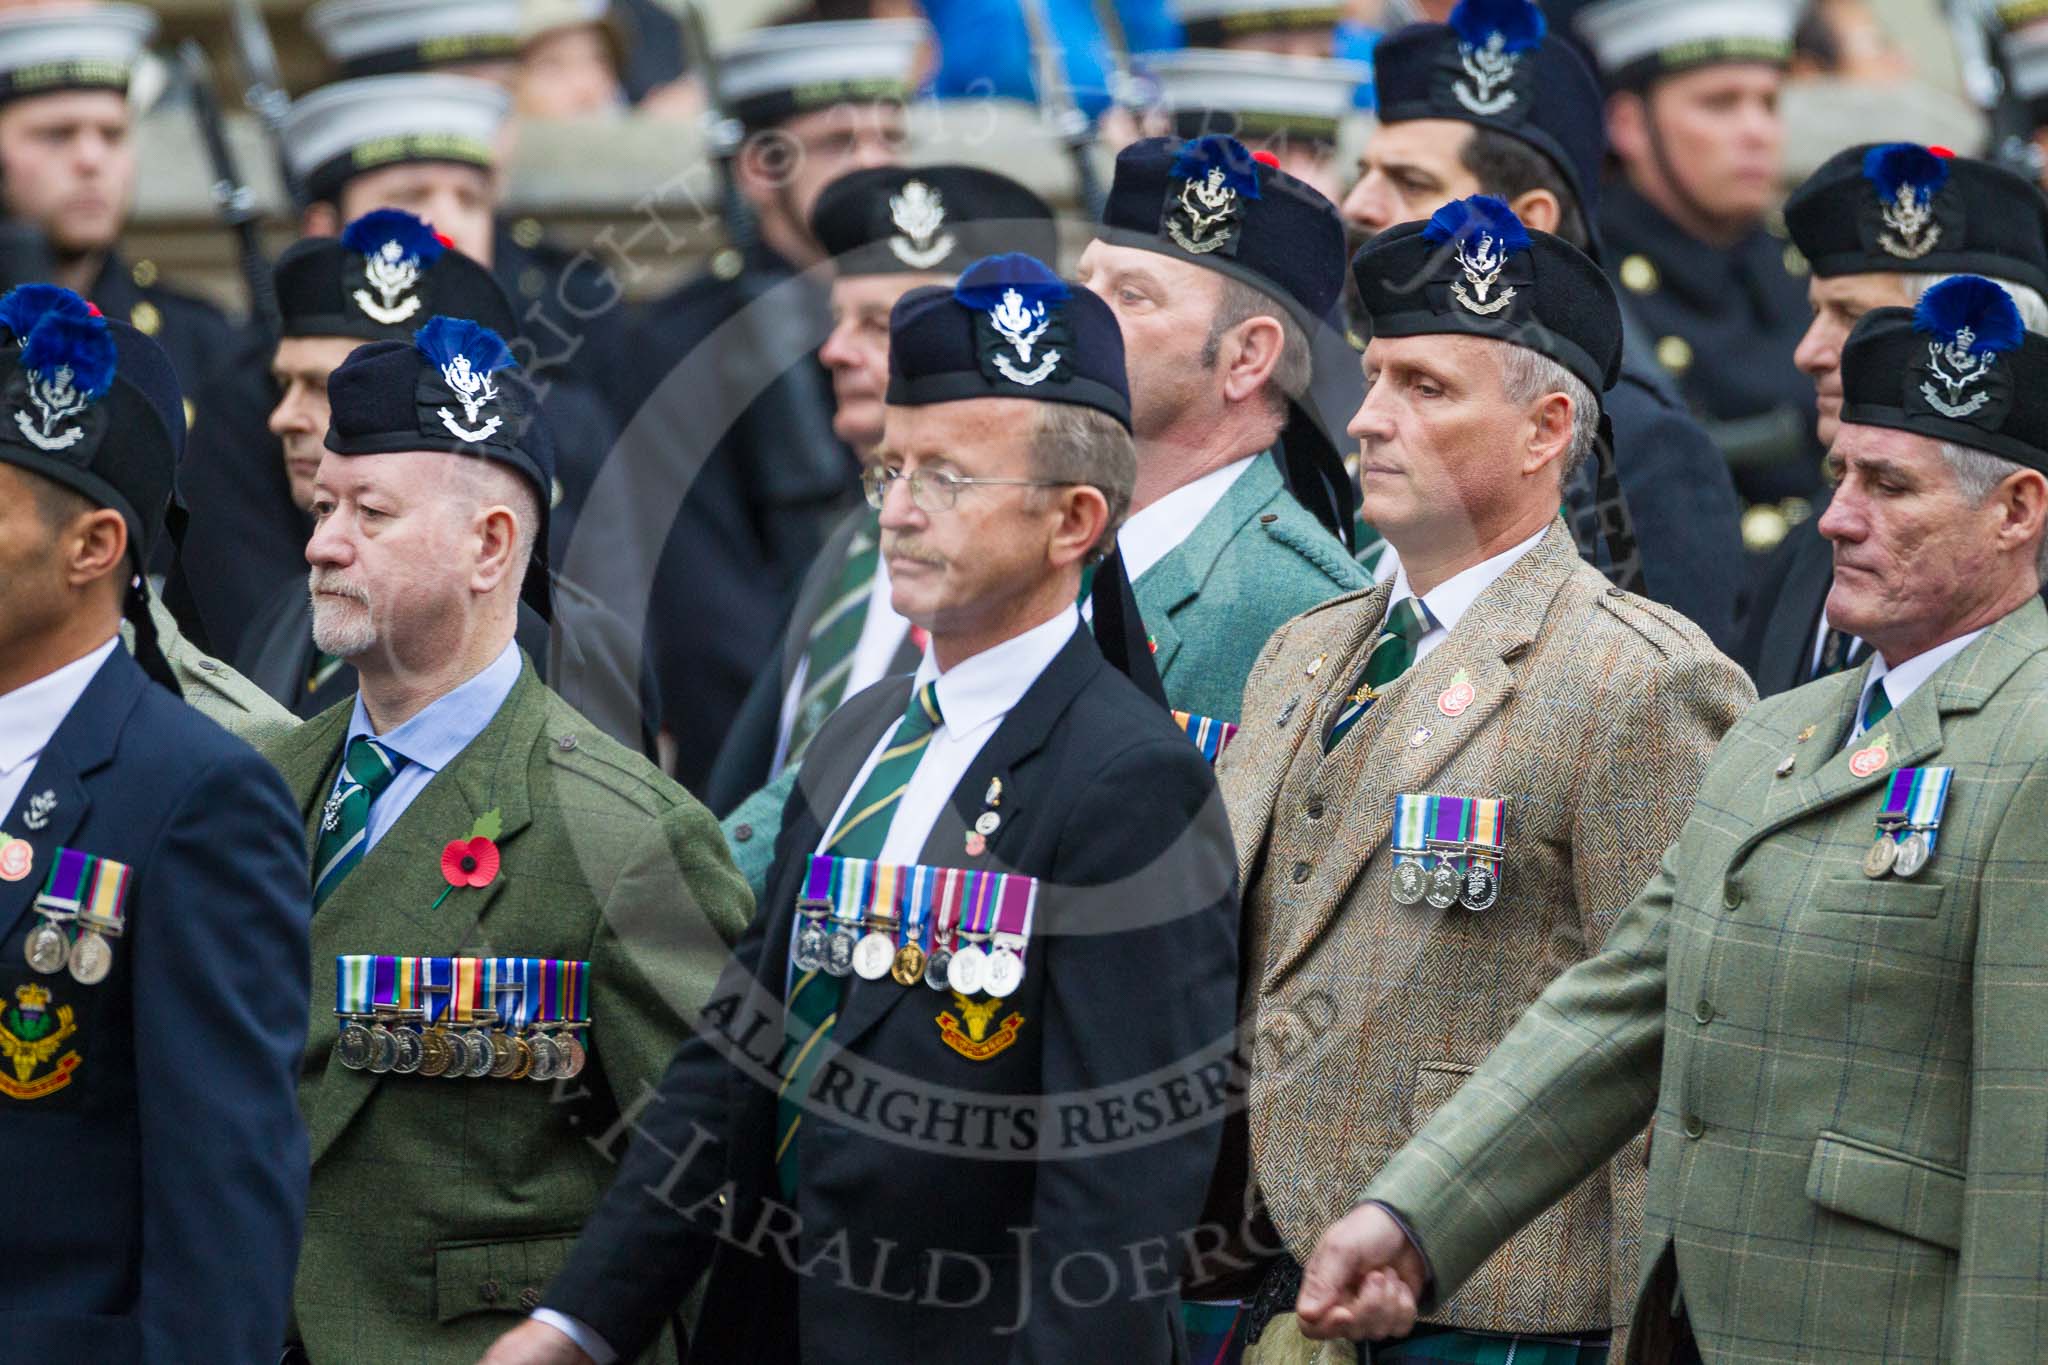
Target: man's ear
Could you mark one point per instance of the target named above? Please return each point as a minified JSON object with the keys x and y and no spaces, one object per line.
{"x":94,"y":545}
{"x":2023,"y":503}
{"x":497,"y":541}
{"x":1628,"y":125}
{"x":765,"y":163}
{"x":1538,"y":209}
{"x":321,"y":219}
{"x":1084,"y":516}
{"x":1249,"y":355}
{"x":1550,"y":435}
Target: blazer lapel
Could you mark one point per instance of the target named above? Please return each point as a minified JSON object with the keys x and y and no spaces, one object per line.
{"x":1176,"y":580}
{"x":400,"y":879}
{"x":1022,"y":733}
{"x":1913,"y":732}
{"x":1498,"y":628}
{"x":54,"y":802}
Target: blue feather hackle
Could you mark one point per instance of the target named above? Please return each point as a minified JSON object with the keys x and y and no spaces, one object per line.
{"x":62,"y":339}
{"x":26,"y":304}
{"x":983,"y":284}
{"x":443,"y":338}
{"x":367,"y":235}
{"x":1198,"y":156}
{"x":1518,"y":22}
{"x":1904,"y":163}
{"x":1463,"y":219}
{"x":1970,"y":301}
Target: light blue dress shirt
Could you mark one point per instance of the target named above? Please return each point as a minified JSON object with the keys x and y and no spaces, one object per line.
{"x":430,"y":740}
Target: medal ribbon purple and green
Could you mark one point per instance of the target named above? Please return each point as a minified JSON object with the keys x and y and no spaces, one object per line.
{"x":65,"y":891}
{"x":1915,"y":800}
{"x":394,"y":982}
{"x":979,"y":897}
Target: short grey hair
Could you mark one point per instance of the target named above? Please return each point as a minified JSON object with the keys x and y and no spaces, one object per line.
{"x":1977,"y":472}
{"x":1083,"y":445}
{"x":487,"y":483}
{"x":1239,"y":303}
{"x":1528,"y":375}
{"x":2033,"y":308}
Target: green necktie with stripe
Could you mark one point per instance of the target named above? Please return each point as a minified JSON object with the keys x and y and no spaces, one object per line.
{"x":1877,"y":704}
{"x":814,"y":996}
{"x":1391,"y":656}
{"x":366,"y":771}
{"x":828,"y":654}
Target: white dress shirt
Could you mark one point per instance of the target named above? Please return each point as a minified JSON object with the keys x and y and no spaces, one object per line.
{"x":430,"y":740}
{"x":1902,"y":682}
{"x":974,"y":696}
{"x":31,"y":713}
{"x":1449,"y":600}
{"x":882,"y":633}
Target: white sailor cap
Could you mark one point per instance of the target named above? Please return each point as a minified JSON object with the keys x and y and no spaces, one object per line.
{"x":540,"y":17}
{"x":380,"y":37}
{"x":342,"y":130}
{"x":47,"y":48}
{"x":770,"y":74}
{"x":1636,"y":41}
{"x":2026,"y":68}
{"x":1254,"y":95}
{"x":1204,"y":23}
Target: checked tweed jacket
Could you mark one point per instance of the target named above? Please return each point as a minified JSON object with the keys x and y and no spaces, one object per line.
{"x":1851,"y":1161}
{"x":437,"y":1205}
{"x":1594,"y":713}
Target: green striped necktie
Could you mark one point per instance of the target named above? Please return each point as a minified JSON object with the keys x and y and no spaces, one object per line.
{"x":828,"y":654}
{"x":366,"y":770}
{"x":1877,"y":704}
{"x":1392,"y":655}
{"x":814,"y":997}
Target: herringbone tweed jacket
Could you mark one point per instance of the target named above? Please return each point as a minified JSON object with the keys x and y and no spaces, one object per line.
{"x":1593,"y":714}
{"x":440,"y":1208}
{"x":1852,"y":1121}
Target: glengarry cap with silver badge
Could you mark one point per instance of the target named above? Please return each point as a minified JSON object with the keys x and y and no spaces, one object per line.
{"x":342,"y":130}
{"x":1635,"y":42}
{"x":893,"y":220}
{"x":1255,"y":96}
{"x":45,"y":49}
{"x":772,"y":74}
{"x":384,"y":37}
{"x":1210,"y":23}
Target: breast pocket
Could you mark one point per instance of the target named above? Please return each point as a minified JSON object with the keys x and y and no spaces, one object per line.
{"x":1888,"y":896}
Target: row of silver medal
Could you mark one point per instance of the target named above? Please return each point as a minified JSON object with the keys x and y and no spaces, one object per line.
{"x":871,"y":956}
{"x":1901,"y":857}
{"x":1476,"y":886}
{"x":397,"y":1043}
{"x":90,"y":957}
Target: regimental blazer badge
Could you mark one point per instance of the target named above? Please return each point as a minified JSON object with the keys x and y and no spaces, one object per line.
{"x":32,"y":1037}
{"x":919,"y":215}
{"x":1493,"y":38}
{"x":975,"y":1039}
{"x":397,"y":249}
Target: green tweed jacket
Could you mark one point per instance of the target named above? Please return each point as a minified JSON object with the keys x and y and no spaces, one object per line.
{"x":210,"y":687}
{"x":1591,"y":714}
{"x":438,"y":1208}
{"x":1257,"y":559}
{"x":1849,"y":1076}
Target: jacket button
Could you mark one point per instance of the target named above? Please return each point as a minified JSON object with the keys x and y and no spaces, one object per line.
{"x":742,"y":833}
{"x":1703,"y":1013}
{"x":206,"y":665}
{"x":529,"y":1298}
{"x":1268,"y":518}
{"x":1314,"y":810}
{"x":488,"y":1291}
{"x":1695,"y":1126}
{"x":566,"y":743}
{"x":1731,"y":894}
{"x":1302,"y":872}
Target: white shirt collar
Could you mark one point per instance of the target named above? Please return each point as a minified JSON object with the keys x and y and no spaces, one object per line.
{"x":1449,"y":600}
{"x":445,"y":726}
{"x":31,"y":713}
{"x":1903,"y":681}
{"x":986,"y":687}
{"x":1151,"y":535}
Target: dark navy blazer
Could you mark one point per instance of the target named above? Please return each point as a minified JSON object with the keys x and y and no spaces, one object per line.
{"x":156,"y":1182}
